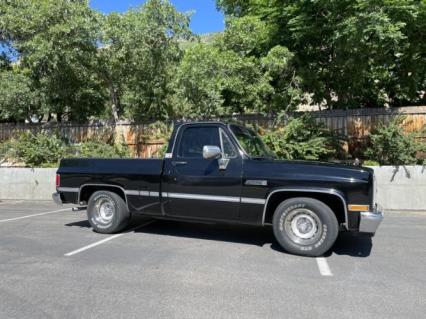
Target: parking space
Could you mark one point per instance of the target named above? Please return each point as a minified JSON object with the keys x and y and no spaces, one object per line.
{"x":53,"y":265}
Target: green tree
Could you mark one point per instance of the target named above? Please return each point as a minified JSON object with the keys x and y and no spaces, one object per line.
{"x":349,"y":53}
{"x":237,"y":72}
{"x":248,"y":36}
{"x":139,"y":57}
{"x":221,"y":82}
{"x":279,"y":68}
{"x":19,"y":100}
{"x":56,"y":41}
{"x":5,"y":62}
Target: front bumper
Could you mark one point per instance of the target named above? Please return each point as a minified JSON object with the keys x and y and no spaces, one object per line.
{"x":57,"y":198}
{"x":370,"y":221}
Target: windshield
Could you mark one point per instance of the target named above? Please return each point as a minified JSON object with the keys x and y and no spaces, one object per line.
{"x":251,"y":142}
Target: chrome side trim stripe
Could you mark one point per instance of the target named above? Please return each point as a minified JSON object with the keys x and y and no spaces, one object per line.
{"x":205,"y":197}
{"x":131,"y":192}
{"x":256,"y":182}
{"x":142,"y":193}
{"x":68,"y":189}
{"x":231,"y":199}
{"x":247,"y":200}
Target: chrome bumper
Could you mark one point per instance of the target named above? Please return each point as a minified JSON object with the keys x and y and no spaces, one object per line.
{"x":370,"y":221}
{"x":57,"y":198}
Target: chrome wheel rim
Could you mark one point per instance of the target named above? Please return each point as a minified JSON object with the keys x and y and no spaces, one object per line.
{"x":303,"y":226}
{"x":104,"y":211}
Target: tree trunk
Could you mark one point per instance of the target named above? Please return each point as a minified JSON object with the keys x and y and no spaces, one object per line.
{"x":115,"y":103}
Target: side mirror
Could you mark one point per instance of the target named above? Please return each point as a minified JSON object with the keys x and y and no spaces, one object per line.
{"x":210,"y":152}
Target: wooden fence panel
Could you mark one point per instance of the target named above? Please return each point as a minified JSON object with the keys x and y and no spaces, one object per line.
{"x":355,"y":125}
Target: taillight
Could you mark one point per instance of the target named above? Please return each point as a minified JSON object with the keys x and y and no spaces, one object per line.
{"x":58,"y":180}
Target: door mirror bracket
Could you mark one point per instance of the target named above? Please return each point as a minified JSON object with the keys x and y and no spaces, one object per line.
{"x":223,"y":163}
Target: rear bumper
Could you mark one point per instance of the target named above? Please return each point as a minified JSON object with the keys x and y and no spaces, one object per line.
{"x":57,"y":198}
{"x":370,"y":221}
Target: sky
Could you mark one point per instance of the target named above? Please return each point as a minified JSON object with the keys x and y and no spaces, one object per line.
{"x":206,"y":18}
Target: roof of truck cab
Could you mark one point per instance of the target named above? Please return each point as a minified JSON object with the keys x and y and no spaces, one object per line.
{"x":201,"y":122}
{"x":178,"y":124}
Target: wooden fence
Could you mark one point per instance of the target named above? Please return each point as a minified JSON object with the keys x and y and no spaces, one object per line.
{"x":354,"y":124}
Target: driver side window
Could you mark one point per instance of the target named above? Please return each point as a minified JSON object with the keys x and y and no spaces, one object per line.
{"x":193,"y":140}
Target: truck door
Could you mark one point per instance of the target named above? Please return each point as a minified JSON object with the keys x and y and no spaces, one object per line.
{"x":199,"y":188}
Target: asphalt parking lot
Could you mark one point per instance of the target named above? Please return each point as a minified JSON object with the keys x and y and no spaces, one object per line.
{"x":52,"y":265}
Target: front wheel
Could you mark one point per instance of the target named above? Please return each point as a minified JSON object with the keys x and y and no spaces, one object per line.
{"x":305,"y":226}
{"x":107,"y":212}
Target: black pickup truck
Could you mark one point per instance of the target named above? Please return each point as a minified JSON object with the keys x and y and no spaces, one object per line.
{"x":220,"y":172}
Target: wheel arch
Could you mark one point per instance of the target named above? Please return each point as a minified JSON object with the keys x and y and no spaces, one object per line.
{"x":87,"y":190}
{"x":329,"y":196}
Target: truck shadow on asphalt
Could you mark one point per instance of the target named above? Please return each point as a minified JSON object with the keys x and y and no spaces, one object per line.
{"x":346,"y":244}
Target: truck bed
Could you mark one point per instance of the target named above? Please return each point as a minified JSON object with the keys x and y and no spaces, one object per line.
{"x":129,"y":174}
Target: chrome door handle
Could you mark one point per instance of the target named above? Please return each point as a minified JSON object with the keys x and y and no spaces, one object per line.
{"x":177,"y":163}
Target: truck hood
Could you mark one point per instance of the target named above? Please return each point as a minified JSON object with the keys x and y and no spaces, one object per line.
{"x":314,"y":171}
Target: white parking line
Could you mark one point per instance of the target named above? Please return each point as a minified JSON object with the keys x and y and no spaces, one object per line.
{"x":74,"y":252}
{"x":323,"y":267}
{"x":34,"y":215}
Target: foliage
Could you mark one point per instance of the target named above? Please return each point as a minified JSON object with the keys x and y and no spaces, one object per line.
{"x":302,"y":138}
{"x":348,"y":53}
{"x":62,"y":58}
{"x":220,"y":82}
{"x":158,"y":131}
{"x":162,"y":151}
{"x":139,"y":57}
{"x":40,"y":149}
{"x":247,"y":36}
{"x":82,"y":61}
{"x":93,"y":149}
{"x":370,"y":163}
{"x":17,"y":90}
{"x":279,"y":68}
{"x":390,"y":145}
{"x":45,"y":149}
{"x":56,"y":41}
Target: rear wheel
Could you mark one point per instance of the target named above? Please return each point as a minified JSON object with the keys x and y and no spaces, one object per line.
{"x":107,"y":212}
{"x":305,"y":226}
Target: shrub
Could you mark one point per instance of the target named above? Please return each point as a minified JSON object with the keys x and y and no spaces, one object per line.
{"x":370,"y":163}
{"x":46,"y":149}
{"x":390,"y":145}
{"x":304,"y":139}
{"x":158,"y":131}
{"x":39,"y":149}
{"x":94,"y":149}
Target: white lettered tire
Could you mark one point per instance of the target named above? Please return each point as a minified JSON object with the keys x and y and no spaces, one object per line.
{"x":107,"y":212}
{"x":305,"y":226}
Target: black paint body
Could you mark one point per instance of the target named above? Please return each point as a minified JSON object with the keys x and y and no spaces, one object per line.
{"x":172,"y":187}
